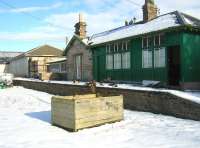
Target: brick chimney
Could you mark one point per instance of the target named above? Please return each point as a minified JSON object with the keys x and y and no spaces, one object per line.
{"x":150,"y":10}
{"x":80,"y":27}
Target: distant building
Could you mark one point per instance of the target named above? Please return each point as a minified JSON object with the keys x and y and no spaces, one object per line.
{"x":163,"y":48}
{"x":79,"y":57}
{"x":33,"y":63}
{"x":5,"y":58}
{"x":58,"y":69}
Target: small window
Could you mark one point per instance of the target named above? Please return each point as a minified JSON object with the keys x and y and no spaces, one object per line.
{"x":120,"y":44}
{"x":162,"y":39}
{"x":109,"y":62}
{"x":124,"y":46}
{"x":157,"y":40}
{"x":145,"y":42}
{"x":108,"y":48}
{"x":147,"y":58}
{"x":117,"y":61}
{"x":126,"y":60}
{"x":116,"y":47}
{"x":111,"y":48}
{"x":128,"y":45}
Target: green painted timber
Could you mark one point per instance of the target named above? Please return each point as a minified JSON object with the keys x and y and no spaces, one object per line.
{"x":191,"y":57}
{"x":189,"y":44}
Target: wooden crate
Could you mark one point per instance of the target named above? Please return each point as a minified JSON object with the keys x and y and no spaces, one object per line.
{"x":79,"y":112}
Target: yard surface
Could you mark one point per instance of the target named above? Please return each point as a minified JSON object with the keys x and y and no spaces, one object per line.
{"x":25,"y":123}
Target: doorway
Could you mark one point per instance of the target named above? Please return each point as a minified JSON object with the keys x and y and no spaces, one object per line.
{"x":174,"y":65}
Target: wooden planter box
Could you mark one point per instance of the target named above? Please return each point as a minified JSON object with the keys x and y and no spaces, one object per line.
{"x":78,"y":112}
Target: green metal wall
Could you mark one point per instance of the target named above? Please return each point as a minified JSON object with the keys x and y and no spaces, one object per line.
{"x":136,"y":73}
{"x":191,"y":57}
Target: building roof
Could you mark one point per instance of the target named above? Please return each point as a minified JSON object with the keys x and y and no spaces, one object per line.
{"x":166,"y":21}
{"x":44,"y":50}
{"x":5,"y":57}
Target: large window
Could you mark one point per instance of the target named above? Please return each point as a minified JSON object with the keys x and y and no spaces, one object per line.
{"x":118,"y":55}
{"x":152,"y":53}
{"x":159,"y":57}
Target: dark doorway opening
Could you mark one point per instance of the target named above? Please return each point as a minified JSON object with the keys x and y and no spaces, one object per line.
{"x":174,"y":65}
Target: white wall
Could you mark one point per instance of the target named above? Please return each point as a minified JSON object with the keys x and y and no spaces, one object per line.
{"x":2,"y":68}
{"x":19,"y":67}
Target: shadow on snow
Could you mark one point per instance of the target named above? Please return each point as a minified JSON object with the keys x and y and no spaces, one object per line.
{"x":44,"y":116}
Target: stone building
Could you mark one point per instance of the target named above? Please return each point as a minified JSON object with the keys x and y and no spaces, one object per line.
{"x":33,"y":63}
{"x":79,"y":57}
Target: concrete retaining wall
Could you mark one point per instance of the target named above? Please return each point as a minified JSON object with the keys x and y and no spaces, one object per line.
{"x":156,"y":102}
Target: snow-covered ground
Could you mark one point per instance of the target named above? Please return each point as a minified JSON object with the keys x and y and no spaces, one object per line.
{"x":25,"y":123}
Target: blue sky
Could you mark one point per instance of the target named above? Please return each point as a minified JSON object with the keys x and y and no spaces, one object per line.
{"x":26,"y":24}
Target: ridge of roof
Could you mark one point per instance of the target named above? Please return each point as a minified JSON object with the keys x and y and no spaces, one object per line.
{"x":45,"y":45}
{"x":123,"y":27}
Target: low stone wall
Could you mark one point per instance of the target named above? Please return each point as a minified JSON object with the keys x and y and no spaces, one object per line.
{"x":156,"y":102}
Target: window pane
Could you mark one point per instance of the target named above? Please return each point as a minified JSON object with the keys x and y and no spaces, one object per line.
{"x":123,"y":46}
{"x":159,"y":57}
{"x":156,"y":40}
{"x":144,"y":42}
{"x":126,"y":62}
{"x":147,"y":58}
{"x":109,"y":62}
{"x":63,"y":67}
{"x":117,"y":61}
{"x":120,"y":46}
{"x":116,"y":47}
{"x":111,"y":48}
{"x":162,"y":39}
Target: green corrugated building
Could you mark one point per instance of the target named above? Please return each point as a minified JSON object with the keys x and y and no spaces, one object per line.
{"x":163,"y":48}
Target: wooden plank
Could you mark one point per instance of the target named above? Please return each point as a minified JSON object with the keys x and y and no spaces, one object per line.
{"x":82,"y":111}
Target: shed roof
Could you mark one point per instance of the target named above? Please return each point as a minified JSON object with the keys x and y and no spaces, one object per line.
{"x":169,"y":20}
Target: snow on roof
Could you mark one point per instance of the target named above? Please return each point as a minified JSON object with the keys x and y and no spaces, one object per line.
{"x":173,"y":19}
{"x":4,"y":54}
